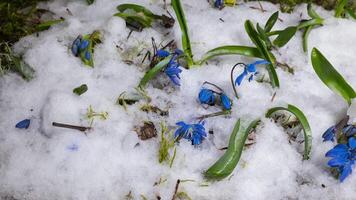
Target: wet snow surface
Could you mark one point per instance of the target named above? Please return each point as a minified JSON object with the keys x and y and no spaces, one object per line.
{"x":41,"y":163}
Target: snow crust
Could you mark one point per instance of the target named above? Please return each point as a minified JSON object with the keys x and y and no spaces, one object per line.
{"x":37,"y":164}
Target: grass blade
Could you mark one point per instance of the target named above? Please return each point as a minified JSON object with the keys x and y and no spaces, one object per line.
{"x":271,"y":21}
{"x":185,"y":33}
{"x":303,"y":121}
{"x":153,"y":72}
{"x":46,"y":25}
{"x":284,"y":36}
{"x":340,"y":8}
{"x":230,"y":50}
{"x":264,"y":52}
{"x":228,"y":161}
{"x":331,"y":78}
{"x":312,"y":13}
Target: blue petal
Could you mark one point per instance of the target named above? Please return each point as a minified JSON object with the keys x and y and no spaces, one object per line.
{"x":240,"y":77}
{"x":346,"y":171}
{"x":352,"y":142}
{"x":162,"y":53}
{"x":346,"y":129}
{"x":75,"y":46}
{"x":206,"y":96}
{"x":337,"y":162}
{"x":87,"y":55}
{"x":178,"y":52}
{"x":226,"y":102}
{"x":170,"y":71}
{"x":84,"y":44}
{"x":329,"y":134}
{"x":24,"y":124}
{"x":339,"y":151}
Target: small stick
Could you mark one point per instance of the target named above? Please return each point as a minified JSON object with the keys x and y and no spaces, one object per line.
{"x":129,"y":34}
{"x":176,"y":190}
{"x":79,"y":128}
{"x":273,"y":96}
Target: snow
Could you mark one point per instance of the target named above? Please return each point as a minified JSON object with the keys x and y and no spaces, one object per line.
{"x":37,"y":164}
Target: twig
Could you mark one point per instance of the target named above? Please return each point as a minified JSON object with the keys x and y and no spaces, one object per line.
{"x":79,"y":128}
{"x":176,"y":189}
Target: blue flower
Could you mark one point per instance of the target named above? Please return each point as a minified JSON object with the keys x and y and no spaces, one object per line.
{"x":206,"y":96}
{"x":24,"y":124}
{"x":219,"y":3}
{"x":329,"y":134}
{"x":343,"y":157}
{"x":172,"y":70}
{"x":193,"y":132}
{"x":84,"y":44}
{"x":225,"y":101}
{"x":251,"y":70}
{"x":349,"y":130}
{"x":87,"y":55}
{"x":75,"y":46}
{"x":162,"y":53}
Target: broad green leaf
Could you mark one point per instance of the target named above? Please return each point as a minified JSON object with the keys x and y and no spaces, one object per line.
{"x":22,"y":68}
{"x":45,"y":25}
{"x":136,"y":8}
{"x":80,"y":90}
{"x":284,"y":36}
{"x":340,"y":8}
{"x":331,"y":78}
{"x":263,"y":35}
{"x":305,"y":38}
{"x":153,"y":72}
{"x":312,"y":13}
{"x":271,"y":21}
{"x":185,"y":32}
{"x":230,"y":50}
{"x":264,"y":52}
{"x":228,"y":161}
{"x":303,"y":121}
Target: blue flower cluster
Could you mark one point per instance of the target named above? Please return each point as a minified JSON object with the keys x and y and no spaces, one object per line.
{"x":343,"y":155}
{"x":250,"y":70}
{"x":219,"y":4}
{"x":173,"y":68}
{"x":209,"y":97}
{"x":192,"y":132}
{"x":80,"y":45}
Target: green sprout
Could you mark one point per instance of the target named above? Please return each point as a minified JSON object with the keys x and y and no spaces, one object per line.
{"x":165,"y":146}
{"x":91,"y":115}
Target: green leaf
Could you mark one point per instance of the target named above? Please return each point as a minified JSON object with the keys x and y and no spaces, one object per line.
{"x":263,"y":35}
{"x":227,"y":162}
{"x":184,"y":28}
{"x":46,"y":25}
{"x":80,"y":90}
{"x":136,"y":8}
{"x":90,"y":2}
{"x":153,"y":72}
{"x":351,"y":13}
{"x":312,"y":13}
{"x":264,"y":52}
{"x":331,"y":78}
{"x":22,"y":68}
{"x":230,"y":50}
{"x":143,"y":20}
{"x":340,"y":8}
{"x":271,"y":21}
{"x":284,"y":36}
{"x":305,"y":38}
{"x":310,"y":22}
{"x":303,"y":121}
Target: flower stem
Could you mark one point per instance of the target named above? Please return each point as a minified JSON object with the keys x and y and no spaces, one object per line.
{"x":232,"y":78}
{"x":224,"y":112}
{"x":79,"y":128}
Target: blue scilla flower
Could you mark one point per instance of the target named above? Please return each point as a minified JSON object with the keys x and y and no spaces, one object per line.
{"x":84,"y":44}
{"x":75,"y":46}
{"x":24,"y":124}
{"x":206,"y":96}
{"x":87,"y":55}
{"x":225,"y":101}
{"x":173,"y":68}
{"x":219,"y":4}
{"x":329,"y":134}
{"x":349,"y":130}
{"x":162,"y":53}
{"x":193,"y":132}
{"x":343,"y":157}
{"x":250,"y":70}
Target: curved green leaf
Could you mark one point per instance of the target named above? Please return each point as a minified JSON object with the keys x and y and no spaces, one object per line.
{"x":136,"y":8}
{"x":310,"y":22}
{"x":184,"y":28}
{"x":230,"y":50}
{"x":271,"y":21}
{"x":340,"y":8}
{"x":305,"y":38}
{"x":312,"y":13}
{"x":328,"y":74}
{"x":263,"y":35}
{"x":154,"y":71}
{"x":284,"y":36}
{"x":303,"y":121}
{"x":263,"y":50}
{"x":46,"y":25}
{"x":132,"y":18}
{"x":227,"y":162}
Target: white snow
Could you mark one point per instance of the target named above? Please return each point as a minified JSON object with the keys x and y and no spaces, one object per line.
{"x":37,"y":164}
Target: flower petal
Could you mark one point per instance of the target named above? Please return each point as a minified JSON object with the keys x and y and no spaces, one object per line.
{"x":162,"y":53}
{"x":225,"y":101}
{"x":345,"y":172}
{"x":337,"y":162}
{"x":240,"y":77}
{"x":339,"y":151}
{"x":352,"y":142}
{"x":24,"y":124}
